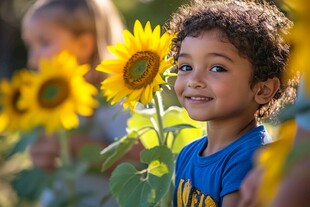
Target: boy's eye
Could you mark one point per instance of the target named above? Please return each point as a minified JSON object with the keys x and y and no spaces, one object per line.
{"x":217,"y":69}
{"x":184,"y":68}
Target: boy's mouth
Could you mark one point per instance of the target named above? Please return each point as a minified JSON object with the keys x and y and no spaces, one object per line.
{"x":198,"y":98}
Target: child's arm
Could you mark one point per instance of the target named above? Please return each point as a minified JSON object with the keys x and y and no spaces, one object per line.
{"x":249,"y":188}
{"x":231,"y":200}
{"x":45,"y":151}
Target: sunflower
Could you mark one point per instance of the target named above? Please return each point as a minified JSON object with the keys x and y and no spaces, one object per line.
{"x":138,"y":70}
{"x":12,"y":115}
{"x":60,"y":93}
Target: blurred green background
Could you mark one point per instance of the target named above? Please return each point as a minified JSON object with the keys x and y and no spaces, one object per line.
{"x":13,"y":56}
{"x":157,"y":11}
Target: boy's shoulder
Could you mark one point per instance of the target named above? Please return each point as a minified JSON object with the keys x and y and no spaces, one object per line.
{"x":257,"y":134}
{"x":198,"y":141}
{"x":252,"y":139}
{"x":195,"y":144}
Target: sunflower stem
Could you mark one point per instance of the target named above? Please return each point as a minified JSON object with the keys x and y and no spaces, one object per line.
{"x":159,"y":107}
{"x":66,"y":164}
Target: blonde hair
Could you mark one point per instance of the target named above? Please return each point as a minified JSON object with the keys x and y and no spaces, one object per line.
{"x":98,"y":17}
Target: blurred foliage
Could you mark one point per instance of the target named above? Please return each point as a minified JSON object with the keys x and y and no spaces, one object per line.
{"x":14,"y":161}
{"x":10,"y":165}
{"x":156,"y":11}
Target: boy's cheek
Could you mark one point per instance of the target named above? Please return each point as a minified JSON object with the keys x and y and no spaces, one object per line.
{"x":178,"y":86}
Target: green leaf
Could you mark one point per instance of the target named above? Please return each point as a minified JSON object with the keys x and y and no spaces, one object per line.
{"x":24,"y":141}
{"x":145,"y":118}
{"x":174,"y":118}
{"x":117,"y":149}
{"x":146,"y":187}
{"x":186,"y":129}
{"x":158,"y":168}
{"x":178,"y":127}
{"x":28,"y":184}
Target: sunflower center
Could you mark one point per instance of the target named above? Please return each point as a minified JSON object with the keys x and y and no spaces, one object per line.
{"x":141,"y":69}
{"x":15,"y":102}
{"x":53,"y":93}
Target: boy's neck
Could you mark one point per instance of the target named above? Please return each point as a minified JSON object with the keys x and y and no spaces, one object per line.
{"x":219,"y":137}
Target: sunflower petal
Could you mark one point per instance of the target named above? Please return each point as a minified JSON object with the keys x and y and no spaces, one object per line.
{"x":138,"y":34}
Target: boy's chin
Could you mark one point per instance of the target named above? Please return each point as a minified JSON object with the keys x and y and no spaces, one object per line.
{"x":198,"y":116}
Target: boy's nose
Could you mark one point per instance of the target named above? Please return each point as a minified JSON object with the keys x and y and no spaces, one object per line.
{"x":196,"y":80}
{"x":196,"y":84}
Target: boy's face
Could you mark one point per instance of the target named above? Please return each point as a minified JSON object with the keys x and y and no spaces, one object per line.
{"x":45,"y":39}
{"x":213,"y":80}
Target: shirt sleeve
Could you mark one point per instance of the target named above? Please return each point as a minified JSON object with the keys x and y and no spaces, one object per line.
{"x":235,"y":171}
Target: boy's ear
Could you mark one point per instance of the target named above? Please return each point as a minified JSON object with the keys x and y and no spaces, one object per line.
{"x":266,"y":90}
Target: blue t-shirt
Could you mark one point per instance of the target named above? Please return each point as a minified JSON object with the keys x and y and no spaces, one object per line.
{"x":205,"y":180}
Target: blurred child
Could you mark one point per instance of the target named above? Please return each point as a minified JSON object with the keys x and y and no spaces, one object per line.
{"x":84,"y":28}
{"x":230,"y":57}
{"x":294,"y":189}
{"x":290,"y":184}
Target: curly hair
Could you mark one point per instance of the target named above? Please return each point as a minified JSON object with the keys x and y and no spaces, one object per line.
{"x":256,"y":29}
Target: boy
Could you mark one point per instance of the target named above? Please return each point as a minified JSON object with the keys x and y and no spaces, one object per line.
{"x":230,"y":57}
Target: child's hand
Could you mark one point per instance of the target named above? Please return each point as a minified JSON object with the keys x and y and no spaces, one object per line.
{"x":44,"y":152}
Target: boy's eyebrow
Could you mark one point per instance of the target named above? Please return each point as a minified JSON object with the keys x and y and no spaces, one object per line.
{"x":182,"y":55}
{"x":209,"y":54}
{"x":221,"y":55}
